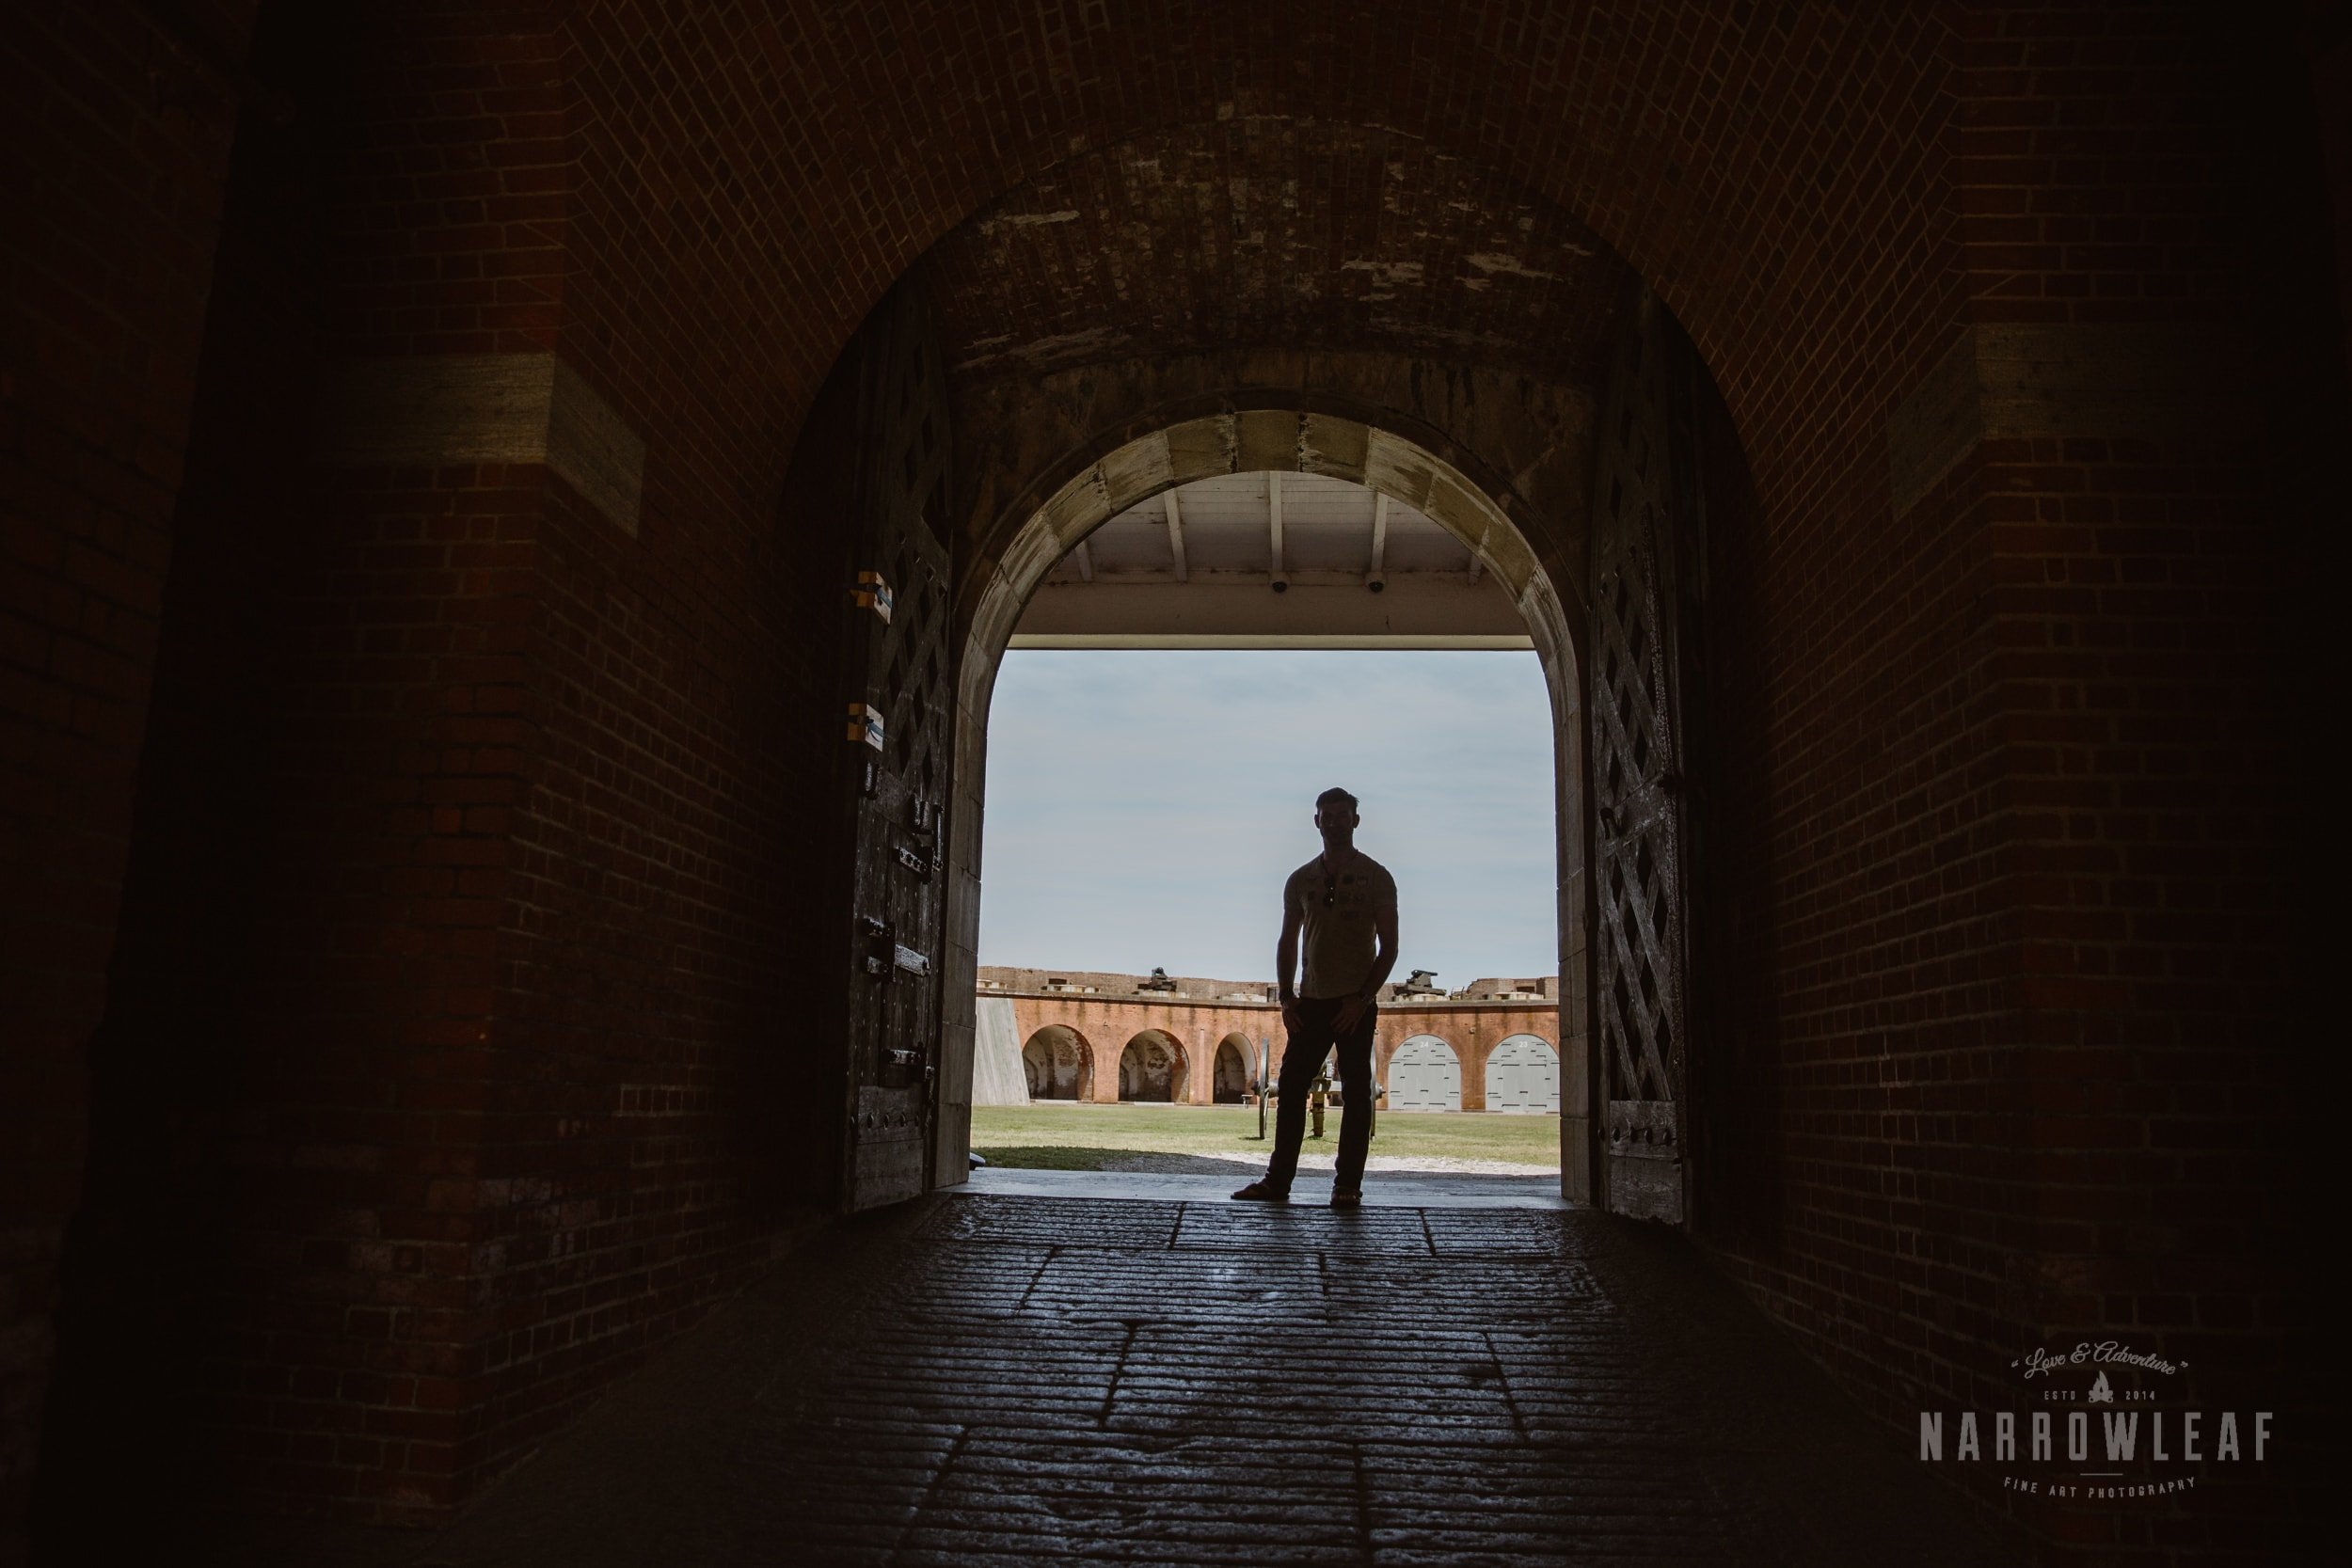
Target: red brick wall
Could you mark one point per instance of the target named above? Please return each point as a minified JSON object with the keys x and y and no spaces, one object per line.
{"x":269,"y":1273}
{"x":452,"y":177}
{"x":2142,"y":612}
{"x":1858,"y":1087}
{"x":417,"y":1127}
{"x":2011,"y":924}
{"x":116,"y":134}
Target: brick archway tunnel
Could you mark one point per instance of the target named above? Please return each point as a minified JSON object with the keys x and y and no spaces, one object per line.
{"x":429,"y":575}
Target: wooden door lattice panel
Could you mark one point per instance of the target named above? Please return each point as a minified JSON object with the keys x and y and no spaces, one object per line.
{"x":1644,"y":497}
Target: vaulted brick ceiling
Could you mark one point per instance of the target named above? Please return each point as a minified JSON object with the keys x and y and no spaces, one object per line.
{"x":1274,"y":234}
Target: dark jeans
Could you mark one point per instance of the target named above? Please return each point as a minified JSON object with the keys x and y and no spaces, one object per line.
{"x":1302,"y":1059}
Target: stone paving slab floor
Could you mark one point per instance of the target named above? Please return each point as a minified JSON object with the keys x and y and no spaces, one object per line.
{"x":991,"y":1377}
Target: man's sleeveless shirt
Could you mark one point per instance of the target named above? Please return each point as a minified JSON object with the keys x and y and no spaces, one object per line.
{"x":1339,"y":939}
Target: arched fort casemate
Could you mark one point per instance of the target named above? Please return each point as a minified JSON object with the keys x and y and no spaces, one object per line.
{"x":1490,"y":1047}
{"x":516,"y":514}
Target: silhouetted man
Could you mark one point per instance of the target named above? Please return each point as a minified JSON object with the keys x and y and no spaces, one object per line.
{"x":1344,"y":903}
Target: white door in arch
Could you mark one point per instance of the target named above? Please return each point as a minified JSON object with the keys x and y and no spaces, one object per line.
{"x":1524,"y":1074}
{"x":1424,"y":1075}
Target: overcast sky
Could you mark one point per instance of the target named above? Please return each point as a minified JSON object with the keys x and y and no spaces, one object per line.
{"x":1144,"y":806}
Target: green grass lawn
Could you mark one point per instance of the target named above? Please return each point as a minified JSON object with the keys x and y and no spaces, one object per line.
{"x":1067,"y":1136}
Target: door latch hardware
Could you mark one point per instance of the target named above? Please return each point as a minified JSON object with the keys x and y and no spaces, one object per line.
{"x":873,"y":593}
{"x":908,"y":959}
{"x":865,"y":723}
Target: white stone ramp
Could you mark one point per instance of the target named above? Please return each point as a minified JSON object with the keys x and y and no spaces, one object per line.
{"x":996,"y":1075}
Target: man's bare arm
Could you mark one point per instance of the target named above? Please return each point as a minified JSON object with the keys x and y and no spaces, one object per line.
{"x":1286,"y":953}
{"x":1286,"y":962}
{"x":1385,"y":959}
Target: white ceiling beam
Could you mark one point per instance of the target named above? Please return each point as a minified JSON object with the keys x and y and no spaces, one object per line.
{"x":1086,"y":563}
{"x":1234,"y":609}
{"x":1175,"y":535}
{"x":1274,"y":520}
{"x":1379,"y":533}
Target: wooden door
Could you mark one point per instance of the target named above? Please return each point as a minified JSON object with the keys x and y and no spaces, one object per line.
{"x":899,"y":693}
{"x":1645,"y":562}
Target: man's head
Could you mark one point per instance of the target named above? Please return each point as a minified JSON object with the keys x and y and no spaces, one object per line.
{"x":1335,"y":816}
